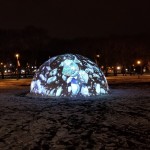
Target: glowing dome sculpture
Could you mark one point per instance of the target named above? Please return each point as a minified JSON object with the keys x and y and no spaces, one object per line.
{"x":69,"y":75}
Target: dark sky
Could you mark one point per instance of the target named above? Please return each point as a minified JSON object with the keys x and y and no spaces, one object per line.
{"x":78,"y":18}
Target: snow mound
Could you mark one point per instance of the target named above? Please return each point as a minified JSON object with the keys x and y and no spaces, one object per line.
{"x":69,"y":75}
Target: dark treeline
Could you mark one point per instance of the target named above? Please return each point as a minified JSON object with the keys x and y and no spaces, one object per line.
{"x":35,"y":46}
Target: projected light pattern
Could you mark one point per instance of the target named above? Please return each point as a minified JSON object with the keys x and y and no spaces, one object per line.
{"x":69,"y":75}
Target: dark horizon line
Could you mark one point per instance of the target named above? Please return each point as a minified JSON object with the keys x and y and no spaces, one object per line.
{"x":46,"y":31}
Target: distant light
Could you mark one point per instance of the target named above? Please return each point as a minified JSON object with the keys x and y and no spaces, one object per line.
{"x":17,"y":56}
{"x":22,"y":71}
{"x":138,"y":62}
{"x":102,"y":67}
{"x":118,"y":67}
{"x":98,"y":55}
{"x":144,"y":70}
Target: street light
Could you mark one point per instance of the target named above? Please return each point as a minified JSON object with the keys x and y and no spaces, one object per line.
{"x":18,"y":65}
{"x":97,"y":59}
{"x":139,"y":68}
{"x":97,"y":55}
{"x":138,"y":62}
{"x":17,"y":56}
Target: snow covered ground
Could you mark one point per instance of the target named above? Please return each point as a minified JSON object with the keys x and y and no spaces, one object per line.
{"x":118,"y":121}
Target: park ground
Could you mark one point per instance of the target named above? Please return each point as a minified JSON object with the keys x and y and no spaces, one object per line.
{"x":118,"y":121}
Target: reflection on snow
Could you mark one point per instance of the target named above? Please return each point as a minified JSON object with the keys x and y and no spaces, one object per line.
{"x":69,"y":75}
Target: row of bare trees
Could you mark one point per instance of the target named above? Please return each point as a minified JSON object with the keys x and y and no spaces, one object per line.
{"x":35,"y":46}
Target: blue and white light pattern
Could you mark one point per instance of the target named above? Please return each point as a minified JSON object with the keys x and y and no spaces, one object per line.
{"x":69,"y":75}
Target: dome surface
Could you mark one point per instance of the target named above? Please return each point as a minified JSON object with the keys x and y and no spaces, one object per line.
{"x":69,"y":75}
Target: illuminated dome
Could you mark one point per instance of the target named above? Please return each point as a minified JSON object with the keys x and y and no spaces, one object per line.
{"x":69,"y":75}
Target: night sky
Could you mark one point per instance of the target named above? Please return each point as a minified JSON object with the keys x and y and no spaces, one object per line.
{"x":78,"y":18}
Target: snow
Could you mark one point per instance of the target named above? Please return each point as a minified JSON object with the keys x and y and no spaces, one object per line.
{"x":120,"y":120}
